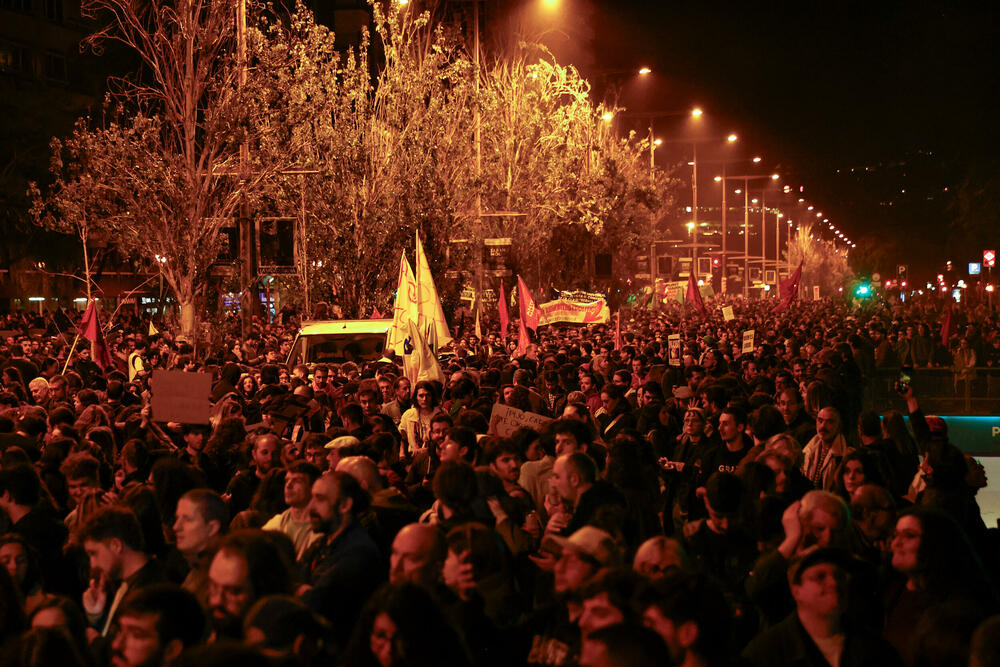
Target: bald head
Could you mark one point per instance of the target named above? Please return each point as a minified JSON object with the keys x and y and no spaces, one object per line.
{"x":364,"y":470}
{"x":418,"y":554}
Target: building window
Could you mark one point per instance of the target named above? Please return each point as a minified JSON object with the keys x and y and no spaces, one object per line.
{"x":16,"y":5}
{"x":54,"y":10}
{"x":12,"y":58}
{"x":55,"y":68}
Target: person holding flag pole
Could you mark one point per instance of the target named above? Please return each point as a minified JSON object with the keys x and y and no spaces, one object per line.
{"x":528,"y":317}
{"x":694,"y":296}
{"x":503,"y":316}
{"x":90,"y":329}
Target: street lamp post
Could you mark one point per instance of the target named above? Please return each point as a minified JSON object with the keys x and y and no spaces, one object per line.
{"x":746,"y":236}
{"x":694,"y":208}
{"x":725,"y":231}
{"x":777,"y":246}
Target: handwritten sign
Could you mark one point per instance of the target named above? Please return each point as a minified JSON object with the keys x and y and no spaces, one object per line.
{"x":727,"y":313}
{"x":505,"y":420}
{"x":748,"y":345}
{"x":181,"y":397}
{"x":674,"y":349}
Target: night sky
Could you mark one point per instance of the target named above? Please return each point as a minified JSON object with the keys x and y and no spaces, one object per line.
{"x":814,"y":87}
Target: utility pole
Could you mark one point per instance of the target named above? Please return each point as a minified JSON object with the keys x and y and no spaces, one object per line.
{"x":725,"y":232}
{"x":763,"y":240}
{"x":245,"y":232}
{"x":694,"y":210}
{"x":746,"y":238}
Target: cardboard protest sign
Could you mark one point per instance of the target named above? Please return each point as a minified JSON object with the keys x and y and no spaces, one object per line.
{"x":727,"y":313}
{"x":748,"y":346}
{"x":674,"y":349}
{"x":505,"y":420}
{"x":181,"y":397}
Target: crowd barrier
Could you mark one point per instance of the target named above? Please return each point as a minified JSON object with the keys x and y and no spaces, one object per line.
{"x":938,"y":391}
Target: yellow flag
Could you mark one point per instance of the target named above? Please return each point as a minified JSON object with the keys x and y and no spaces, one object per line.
{"x":429,"y":312}
{"x":152,"y":329}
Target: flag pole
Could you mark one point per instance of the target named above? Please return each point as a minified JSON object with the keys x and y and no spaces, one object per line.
{"x":72,"y":349}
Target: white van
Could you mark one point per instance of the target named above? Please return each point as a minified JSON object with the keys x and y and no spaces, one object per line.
{"x":337,"y":341}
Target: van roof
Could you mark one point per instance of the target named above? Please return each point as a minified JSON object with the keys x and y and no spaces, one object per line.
{"x":345,"y":327}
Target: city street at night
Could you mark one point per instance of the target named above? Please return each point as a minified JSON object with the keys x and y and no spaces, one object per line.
{"x":486,"y":333}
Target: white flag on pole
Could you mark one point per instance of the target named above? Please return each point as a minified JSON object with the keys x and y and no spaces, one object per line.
{"x":404,"y":308}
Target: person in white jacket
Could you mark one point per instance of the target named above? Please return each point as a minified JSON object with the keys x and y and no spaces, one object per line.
{"x":824,"y":452}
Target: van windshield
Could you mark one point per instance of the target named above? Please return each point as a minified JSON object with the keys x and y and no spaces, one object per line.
{"x":337,"y":348}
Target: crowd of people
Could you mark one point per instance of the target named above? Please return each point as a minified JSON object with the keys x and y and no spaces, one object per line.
{"x":712,"y":507}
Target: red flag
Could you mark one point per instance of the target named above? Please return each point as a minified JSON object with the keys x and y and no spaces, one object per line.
{"x":90,"y":328}
{"x":375,"y":314}
{"x":522,"y":339}
{"x":618,"y":330}
{"x":694,"y":295}
{"x":529,"y":311}
{"x":946,"y":327}
{"x":504,"y":318}
{"x":788,"y":289}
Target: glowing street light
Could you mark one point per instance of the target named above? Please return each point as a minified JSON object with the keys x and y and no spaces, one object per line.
{"x":775,"y":177}
{"x":696,"y":112}
{"x":643,"y":71}
{"x":756,"y":160}
{"x":607,"y":116}
{"x":732,"y":138}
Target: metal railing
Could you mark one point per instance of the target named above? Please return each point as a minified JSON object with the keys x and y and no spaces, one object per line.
{"x":938,"y":392}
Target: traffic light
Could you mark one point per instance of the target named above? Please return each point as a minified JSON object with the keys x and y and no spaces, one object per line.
{"x":863,"y":290}
{"x":989,"y":258}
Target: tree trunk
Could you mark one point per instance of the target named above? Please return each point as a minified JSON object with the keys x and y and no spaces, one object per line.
{"x":188,"y":316}
{"x":187,"y":305}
